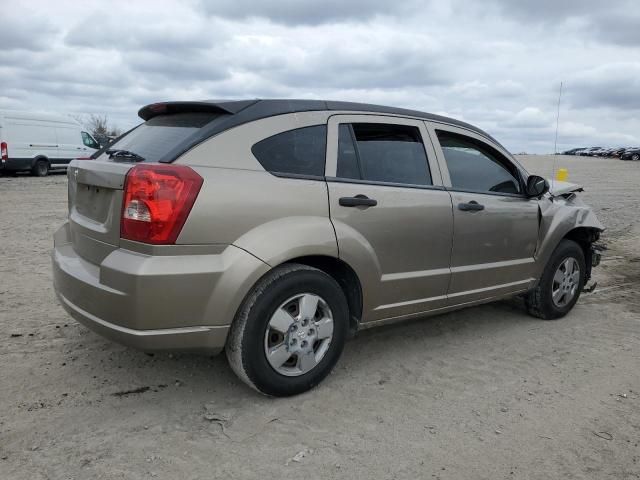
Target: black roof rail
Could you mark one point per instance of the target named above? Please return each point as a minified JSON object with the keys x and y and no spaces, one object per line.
{"x":237,"y":112}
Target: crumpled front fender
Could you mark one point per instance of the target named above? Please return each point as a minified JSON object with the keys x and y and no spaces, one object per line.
{"x":558,"y":217}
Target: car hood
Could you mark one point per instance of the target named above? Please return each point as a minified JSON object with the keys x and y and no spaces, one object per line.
{"x":557,"y":188}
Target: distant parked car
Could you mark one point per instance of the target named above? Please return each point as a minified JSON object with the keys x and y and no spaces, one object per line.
{"x":589,"y":152}
{"x":573,"y":151}
{"x":272,"y":228}
{"x":631,"y":154}
{"x":38,"y":142}
{"x":616,"y":152}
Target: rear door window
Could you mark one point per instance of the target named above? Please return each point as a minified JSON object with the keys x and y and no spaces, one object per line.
{"x":348,"y":161}
{"x":474,"y":166}
{"x":294,"y":152}
{"x":377,"y":152}
{"x":161,"y":134}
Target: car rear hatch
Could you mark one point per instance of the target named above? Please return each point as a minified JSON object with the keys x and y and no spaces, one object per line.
{"x":95,"y":204}
{"x":96,"y":186}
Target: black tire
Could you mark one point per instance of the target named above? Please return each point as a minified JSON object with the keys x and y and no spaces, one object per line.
{"x":539,"y":301}
{"x":40,"y":169}
{"x":635,"y":157}
{"x":245,"y":347}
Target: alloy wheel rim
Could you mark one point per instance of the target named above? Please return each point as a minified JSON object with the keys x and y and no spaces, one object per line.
{"x":565,"y":282}
{"x":298,"y":334}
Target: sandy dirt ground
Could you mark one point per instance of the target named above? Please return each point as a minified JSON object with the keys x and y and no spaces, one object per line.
{"x":483,"y":393}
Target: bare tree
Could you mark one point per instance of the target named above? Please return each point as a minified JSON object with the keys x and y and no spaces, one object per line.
{"x":98,"y":125}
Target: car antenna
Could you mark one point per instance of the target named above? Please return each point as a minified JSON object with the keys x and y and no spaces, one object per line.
{"x":555,"y":144}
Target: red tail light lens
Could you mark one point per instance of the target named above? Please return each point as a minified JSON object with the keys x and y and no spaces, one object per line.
{"x":4,"y":151}
{"x":157,"y":202}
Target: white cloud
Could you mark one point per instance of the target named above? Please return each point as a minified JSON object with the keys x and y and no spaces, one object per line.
{"x":497,"y":64}
{"x":530,"y":117}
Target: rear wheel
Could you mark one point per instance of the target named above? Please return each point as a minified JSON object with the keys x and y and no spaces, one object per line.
{"x":289,"y":332}
{"x":561,"y":283}
{"x":40,"y":169}
{"x":635,"y":157}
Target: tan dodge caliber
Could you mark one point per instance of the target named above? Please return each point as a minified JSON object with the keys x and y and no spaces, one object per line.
{"x":273,"y":229}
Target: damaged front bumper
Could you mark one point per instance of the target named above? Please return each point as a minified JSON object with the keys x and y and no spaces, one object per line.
{"x":596,"y":257}
{"x":596,"y":254}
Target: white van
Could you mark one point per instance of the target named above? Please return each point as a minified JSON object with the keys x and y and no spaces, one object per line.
{"x":38,"y":142}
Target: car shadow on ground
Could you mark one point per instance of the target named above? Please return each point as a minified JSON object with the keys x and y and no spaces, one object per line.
{"x":125,"y":372}
{"x":9,"y":175}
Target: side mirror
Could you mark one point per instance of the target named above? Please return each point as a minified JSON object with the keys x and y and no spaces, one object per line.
{"x":536,"y":186}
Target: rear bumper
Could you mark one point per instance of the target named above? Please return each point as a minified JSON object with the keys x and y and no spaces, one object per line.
{"x":180,"y":302}
{"x":208,"y":340}
{"x":16,"y":164}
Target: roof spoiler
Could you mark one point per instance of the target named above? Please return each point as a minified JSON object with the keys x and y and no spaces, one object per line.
{"x":229,"y":107}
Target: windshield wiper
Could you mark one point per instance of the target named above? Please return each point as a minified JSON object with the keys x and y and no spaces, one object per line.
{"x":124,"y":154}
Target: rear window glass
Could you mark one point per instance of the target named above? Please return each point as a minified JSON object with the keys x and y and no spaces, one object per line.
{"x":159,"y":135}
{"x":299,"y":152}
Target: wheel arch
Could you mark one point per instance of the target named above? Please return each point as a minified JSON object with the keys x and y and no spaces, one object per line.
{"x":574,"y":221}
{"x":585,"y":237}
{"x":37,"y":158}
{"x":342,"y":273}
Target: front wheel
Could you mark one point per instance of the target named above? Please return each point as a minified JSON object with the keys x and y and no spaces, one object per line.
{"x":561,"y":283}
{"x":289,"y":332}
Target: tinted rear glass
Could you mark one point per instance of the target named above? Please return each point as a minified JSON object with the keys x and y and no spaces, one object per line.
{"x":348,"y":163}
{"x":299,"y":152}
{"x":161,"y":134}
{"x":381,"y":152}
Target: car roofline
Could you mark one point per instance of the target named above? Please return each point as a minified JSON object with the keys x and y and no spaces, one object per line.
{"x":233,"y":113}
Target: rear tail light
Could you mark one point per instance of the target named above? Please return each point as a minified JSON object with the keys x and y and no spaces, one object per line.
{"x":157,"y":202}
{"x":4,"y":151}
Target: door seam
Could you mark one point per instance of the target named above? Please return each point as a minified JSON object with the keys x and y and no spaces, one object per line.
{"x":453,"y":223}
{"x":335,"y":234}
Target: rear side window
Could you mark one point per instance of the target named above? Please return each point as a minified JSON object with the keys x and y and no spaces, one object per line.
{"x":382,"y":153}
{"x":161,"y":134}
{"x":298,"y":152}
{"x":348,"y":162}
{"x":476,"y":167}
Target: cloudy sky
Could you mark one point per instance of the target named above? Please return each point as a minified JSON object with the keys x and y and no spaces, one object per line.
{"x":496,"y":63}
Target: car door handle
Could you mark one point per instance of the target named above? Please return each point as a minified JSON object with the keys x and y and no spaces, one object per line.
{"x":357,"y":201}
{"x":472,"y":206}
